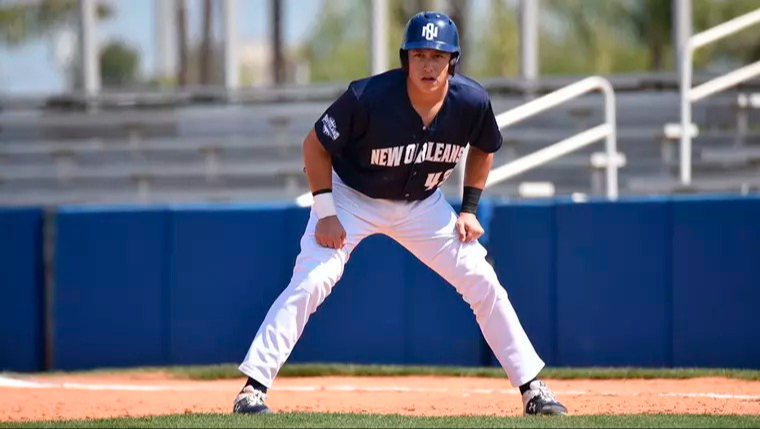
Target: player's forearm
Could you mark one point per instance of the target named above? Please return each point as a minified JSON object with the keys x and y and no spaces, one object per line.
{"x":318,"y":163}
{"x":477,"y":167}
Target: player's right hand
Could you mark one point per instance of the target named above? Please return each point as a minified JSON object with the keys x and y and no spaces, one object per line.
{"x":330,"y":233}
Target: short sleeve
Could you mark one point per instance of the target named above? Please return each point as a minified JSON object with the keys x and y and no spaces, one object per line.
{"x":340,"y":122}
{"x":486,"y":134}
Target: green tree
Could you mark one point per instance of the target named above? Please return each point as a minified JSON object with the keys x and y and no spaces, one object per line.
{"x":735,"y":50}
{"x":592,"y":36}
{"x":497,"y":52}
{"x":576,"y":37}
{"x":608,"y":31}
{"x":649,"y":22}
{"x":338,"y":49}
{"x":21,"y":22}
{"x":119,"y":64}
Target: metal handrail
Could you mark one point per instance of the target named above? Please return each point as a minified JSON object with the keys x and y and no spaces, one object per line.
{"x":691,"y":95}
{"x":606,"y":131}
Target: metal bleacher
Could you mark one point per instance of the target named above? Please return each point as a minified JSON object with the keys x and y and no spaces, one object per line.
{"x":251,"y":151}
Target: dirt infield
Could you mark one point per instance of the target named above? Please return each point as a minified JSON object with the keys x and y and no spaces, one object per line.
{"x":52,"y":397}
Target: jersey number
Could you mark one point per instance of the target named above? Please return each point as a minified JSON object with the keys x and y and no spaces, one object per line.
{"x":435,"y":179}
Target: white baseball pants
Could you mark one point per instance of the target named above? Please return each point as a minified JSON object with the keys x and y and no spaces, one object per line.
{"x":427,"y":229}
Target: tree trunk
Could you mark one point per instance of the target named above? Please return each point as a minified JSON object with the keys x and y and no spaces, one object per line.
{"x":206,"y":60}
{"x":182,"y":70}
{"x":459,"y":12}
{"x":656,"y":51}
{"x":278,"y":59}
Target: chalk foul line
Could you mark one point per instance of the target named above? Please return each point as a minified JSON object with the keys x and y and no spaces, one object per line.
{"x":13,"y":383}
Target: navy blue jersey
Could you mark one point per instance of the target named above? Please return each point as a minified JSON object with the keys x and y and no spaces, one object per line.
{"x":379,"y":144}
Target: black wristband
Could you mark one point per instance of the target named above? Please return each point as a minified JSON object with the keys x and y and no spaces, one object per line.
{"x":321,"y":191}
{"x":470,"y":199}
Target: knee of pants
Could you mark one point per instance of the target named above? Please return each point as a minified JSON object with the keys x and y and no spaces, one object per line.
{"x":318,"y":272}
{"x":478,"y":289}
{"x":477,"y":281}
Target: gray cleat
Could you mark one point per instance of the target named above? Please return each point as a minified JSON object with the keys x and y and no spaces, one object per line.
{"x":251,"y":401}
{"x":540,"y":401}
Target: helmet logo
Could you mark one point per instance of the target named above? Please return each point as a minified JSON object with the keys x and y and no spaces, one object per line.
{"x":430,"y":31}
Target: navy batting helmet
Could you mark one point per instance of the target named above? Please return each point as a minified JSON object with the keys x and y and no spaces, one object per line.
{"x":431,"y":30}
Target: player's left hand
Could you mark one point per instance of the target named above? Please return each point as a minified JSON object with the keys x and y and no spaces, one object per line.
{"x":468,"y":227}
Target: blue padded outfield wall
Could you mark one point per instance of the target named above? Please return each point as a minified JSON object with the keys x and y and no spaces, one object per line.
{"x":111,"y":304}
{"x":21,"y":292}
{"x":654,"y":282}
{"x":521,"y":246}
{"x":716,"y":282}
{"x":611,"y":282}
{"x":227,"y":267}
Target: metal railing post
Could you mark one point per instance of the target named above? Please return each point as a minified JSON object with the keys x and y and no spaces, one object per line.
{"x":611,"y":142}
{"x":686,"y":76}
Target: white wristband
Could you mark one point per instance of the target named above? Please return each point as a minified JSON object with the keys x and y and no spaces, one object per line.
{"x":324,"y":205}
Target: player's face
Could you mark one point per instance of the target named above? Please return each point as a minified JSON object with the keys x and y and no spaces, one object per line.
{"x":428,"y":68}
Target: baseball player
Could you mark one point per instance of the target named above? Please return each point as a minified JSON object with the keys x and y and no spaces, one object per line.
{"x":374,"y":161}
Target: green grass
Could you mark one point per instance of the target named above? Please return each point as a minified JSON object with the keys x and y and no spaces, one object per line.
{"x":298,"y":420}
{"x":230,"y":371}
{"x":303,"y":420}
{"x":315,"y":370}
